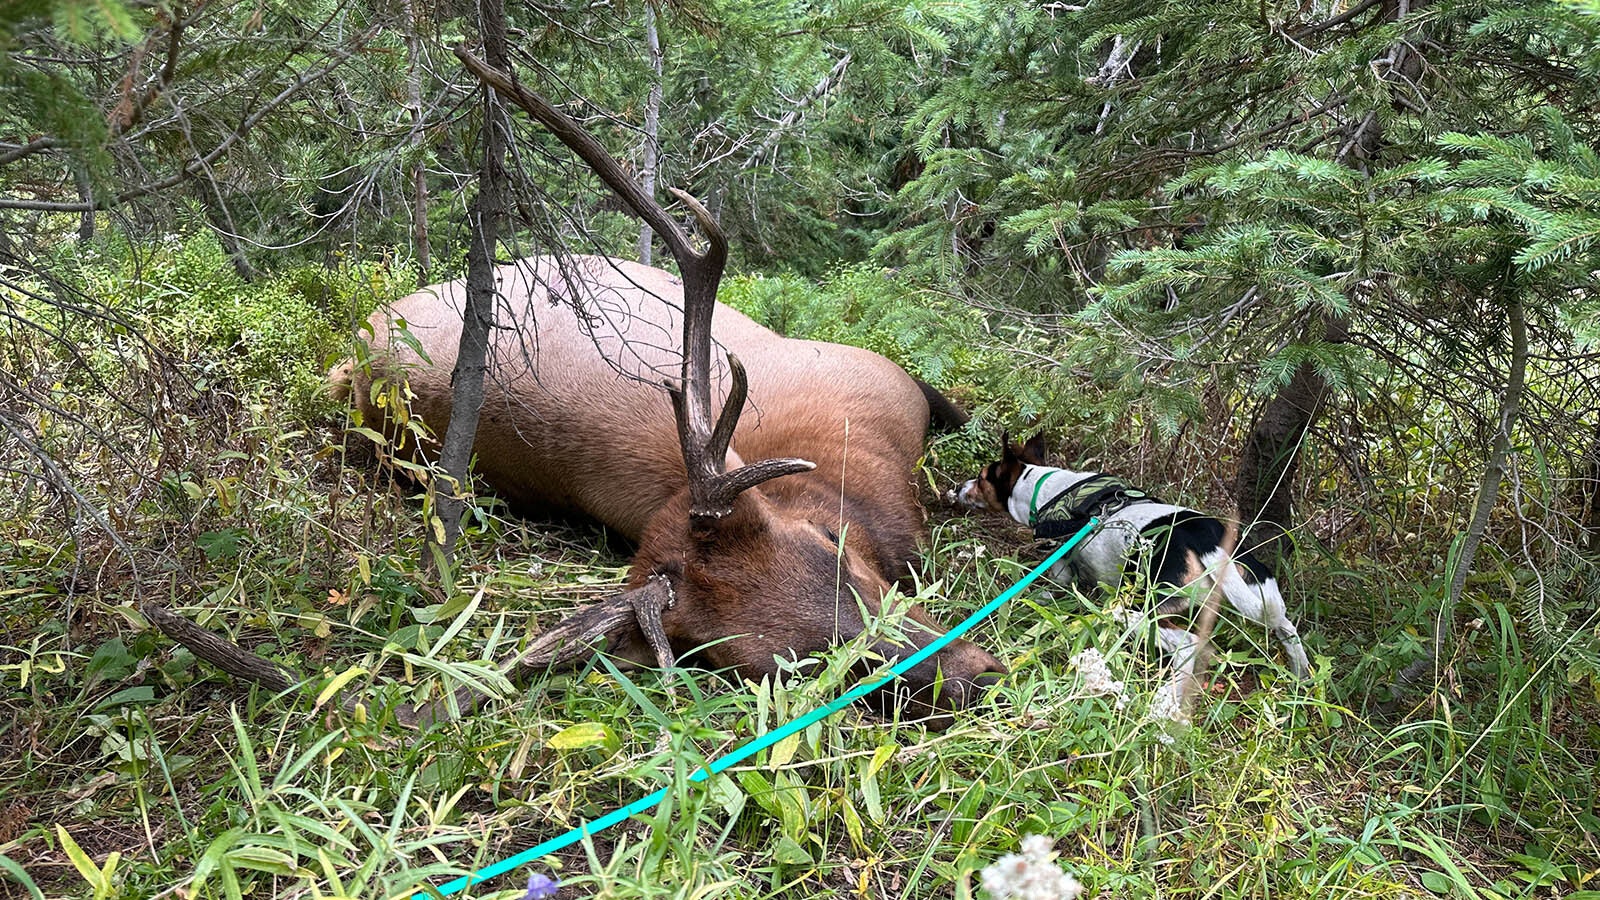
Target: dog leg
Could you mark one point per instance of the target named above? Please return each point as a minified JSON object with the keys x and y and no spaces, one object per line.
{"x":1175,"y":697}
{"x":1262,"y":603}
{"x":1289,"y":636}
{"x":1061,"y":573}
{"x":1182,"y":646}
{"x":1275,"y":618}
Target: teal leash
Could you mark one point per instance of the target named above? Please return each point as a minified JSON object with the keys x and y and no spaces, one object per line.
{"x":761,"y":742}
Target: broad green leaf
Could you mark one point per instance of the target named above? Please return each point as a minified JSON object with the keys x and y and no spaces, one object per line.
{"x":337,"y":682}
{"x":585,"y":735}
{"x":80,"y":860}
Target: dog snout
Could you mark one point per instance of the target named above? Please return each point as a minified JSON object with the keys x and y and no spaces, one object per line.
{"x":963,"y":496}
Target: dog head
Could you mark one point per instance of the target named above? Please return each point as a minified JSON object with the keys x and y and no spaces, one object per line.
{"x":991,"y":491}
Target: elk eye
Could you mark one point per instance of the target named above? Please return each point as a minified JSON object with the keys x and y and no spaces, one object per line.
{"x":832,"y":537}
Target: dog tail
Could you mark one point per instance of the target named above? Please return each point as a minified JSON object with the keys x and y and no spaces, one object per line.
{"x":942,"y":412}
{"x":1214,"y":582}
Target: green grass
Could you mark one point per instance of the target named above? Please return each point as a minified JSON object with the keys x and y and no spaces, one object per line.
{"x":128,"y":769}
{"x":130,"y":747}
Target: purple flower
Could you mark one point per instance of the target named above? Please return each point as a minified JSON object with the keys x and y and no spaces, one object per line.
{"x":541,"y":887}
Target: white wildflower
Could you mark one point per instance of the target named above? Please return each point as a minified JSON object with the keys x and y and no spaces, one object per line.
{"x":1038,"y":847}
{"x":1097,"y":678}
{"x":1167,"y":703}
{"x":1167,"y":710}
{"x":1030,"y":875}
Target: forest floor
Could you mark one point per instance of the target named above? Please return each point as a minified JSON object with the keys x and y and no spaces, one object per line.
{"x":171,"y":780}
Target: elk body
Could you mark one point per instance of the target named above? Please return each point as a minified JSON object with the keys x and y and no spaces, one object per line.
{"x":780,"y":563}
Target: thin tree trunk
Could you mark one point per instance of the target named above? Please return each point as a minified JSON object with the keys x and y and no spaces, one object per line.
{"x":1488,"y":493}
{"x":1271,"y":456}
{"x":227,"y":232}
{"x":484,"y":215}
{"x":652,"y":127}
{"x":1589,"y":494}
{"x":419,"y":165}
{"x":419,"y":223}
{"x":86,"y":194}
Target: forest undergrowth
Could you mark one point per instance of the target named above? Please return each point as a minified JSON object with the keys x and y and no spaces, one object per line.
{"x":130,"y":769}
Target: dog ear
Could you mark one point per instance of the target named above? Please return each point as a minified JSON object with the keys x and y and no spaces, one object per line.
{"x":1033,"y":451}
{"x":1006,"y":450}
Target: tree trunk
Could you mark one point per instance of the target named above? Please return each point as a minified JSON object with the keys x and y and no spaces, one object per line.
{"x":80,"y":178}
{"x":1488,"y":492}
{"x":1271,"y":454}
{"x":227,"y":231}
{"x":652,"y":129}
{"x":419,"y":165}
{"x":1589,"y":494}
{"x":1271,"y":457}
{"x":449,"y":490}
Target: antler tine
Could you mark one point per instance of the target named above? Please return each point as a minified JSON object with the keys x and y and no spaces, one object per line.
{"x":575,"y":638}
{"x":694,"y":438}
{"x":716,"y":252}
{"x":727,"y":486}
{"x":732,"y":408}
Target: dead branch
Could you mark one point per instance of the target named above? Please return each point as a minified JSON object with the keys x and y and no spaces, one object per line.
{"x":221,"y":652}
{"x":200,"y":163}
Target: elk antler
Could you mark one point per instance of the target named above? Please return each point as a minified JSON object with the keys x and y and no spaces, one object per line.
{"x":712,"y":489}
{"x":563,"y":646}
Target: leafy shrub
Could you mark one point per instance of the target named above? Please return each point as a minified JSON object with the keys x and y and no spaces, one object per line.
{"x":270,"y":338}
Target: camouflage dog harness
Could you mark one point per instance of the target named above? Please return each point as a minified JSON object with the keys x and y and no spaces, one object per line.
{"x":1067,"y":512}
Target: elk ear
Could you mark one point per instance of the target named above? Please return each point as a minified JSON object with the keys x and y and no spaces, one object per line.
{"x":1033,"y":451}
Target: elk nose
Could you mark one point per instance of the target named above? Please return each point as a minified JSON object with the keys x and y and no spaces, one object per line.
{"x":986,"y":672}
{"x":994,"y":671}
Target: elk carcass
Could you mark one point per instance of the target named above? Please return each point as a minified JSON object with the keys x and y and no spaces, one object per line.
{"x":743,"y":564}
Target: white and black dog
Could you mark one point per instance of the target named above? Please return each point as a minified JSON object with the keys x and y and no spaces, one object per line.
{"x":1177,"y":546}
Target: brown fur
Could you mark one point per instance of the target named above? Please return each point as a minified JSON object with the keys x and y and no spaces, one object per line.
{"x":574,"y":420}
